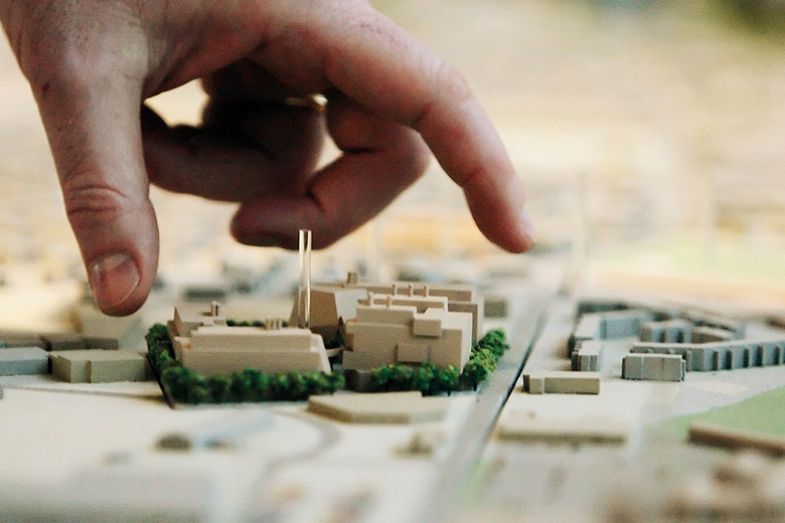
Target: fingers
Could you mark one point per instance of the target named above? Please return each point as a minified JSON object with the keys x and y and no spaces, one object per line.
{"x":390,"y":74}
{"x":380,"y":160}
{"x":244,"y":148}
{"x":92,"y":122}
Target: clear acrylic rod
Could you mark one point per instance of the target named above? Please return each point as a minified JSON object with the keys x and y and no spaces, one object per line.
{"x":304,"y":289}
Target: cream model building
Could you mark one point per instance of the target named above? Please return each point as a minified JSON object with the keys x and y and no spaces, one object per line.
{"x":205,"y":343}
{"x":332,"y":305}
{"x":407,"y":329}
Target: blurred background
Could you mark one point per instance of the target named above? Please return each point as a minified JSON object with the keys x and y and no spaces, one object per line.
{"x":649,"y":134}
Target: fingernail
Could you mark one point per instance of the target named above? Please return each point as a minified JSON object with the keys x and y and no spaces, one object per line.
{"x":113,"y":278}
{"x":527,"y":224}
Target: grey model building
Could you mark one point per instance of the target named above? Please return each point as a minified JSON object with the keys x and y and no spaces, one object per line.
{"x":607,"y":326}
{"x":20,"y":339}
{"x":63,"y":341}
{"x":710,"y":334}
{"x":588,"y":357}
{"x":668,"y":331}
{"x":18,"y":361}
{"x":727,"y":355}
{"x":654,"y":367}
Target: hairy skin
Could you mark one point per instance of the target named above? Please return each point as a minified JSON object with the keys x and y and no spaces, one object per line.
{"x":92,"y":63}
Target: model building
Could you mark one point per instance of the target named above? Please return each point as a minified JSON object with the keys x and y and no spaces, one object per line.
{"x":333,"y":304}
{"x":203,"y":342}
{"x":392,"y":329}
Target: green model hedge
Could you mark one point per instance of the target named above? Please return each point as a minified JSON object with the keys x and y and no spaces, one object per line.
{"x":187,"y":386}
{"x":430,"y":380}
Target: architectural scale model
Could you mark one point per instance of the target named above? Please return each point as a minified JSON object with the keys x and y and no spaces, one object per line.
{"x":99,"y":331}
{"x":395,"y":337}
{"x":393,"y":329}
{"x":98,"y":366}
{"x":204,"y":342}
{"x":703,"y":341}
{"x":526,"y":426}
{"x":390,"y":407}
{"x":588,"y":357}
{"x":334,"y":304}
{"x":561,"y":382}
{"x":724,"y":355}
{"x":657,"y":367}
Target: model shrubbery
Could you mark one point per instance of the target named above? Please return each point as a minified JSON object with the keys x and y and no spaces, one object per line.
{"x":187,"y":386}
{"x":430,"y":379}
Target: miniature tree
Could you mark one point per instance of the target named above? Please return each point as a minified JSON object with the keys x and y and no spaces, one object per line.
{"x":424,"y":377}
{"x":446,"y":379}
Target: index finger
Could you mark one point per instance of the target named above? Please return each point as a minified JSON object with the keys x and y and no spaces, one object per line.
{"x":387,"y":71}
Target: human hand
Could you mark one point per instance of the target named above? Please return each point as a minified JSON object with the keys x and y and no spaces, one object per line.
{"x":92,"y":63}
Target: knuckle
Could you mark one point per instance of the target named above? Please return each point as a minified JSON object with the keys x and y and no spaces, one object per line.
{"x":413,"y":154}
{"x":76,"y":54}
{"x":451,"y":82}
{"x":365,"y":23}
{"x":90,"y":203}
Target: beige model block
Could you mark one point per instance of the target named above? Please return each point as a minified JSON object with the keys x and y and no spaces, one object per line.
{"x":476,"y":309}
{"x":98,"y":366}
{"x":331,"y":307}
{"x":561,"y":382}
{"x":190,"y":316}
{"x":251,"y":339}
{"x":453,"y":348}
{"x":372,"y":345}
{"x":63,"y":341}
{"x":213,"y":362}
{"x":130,"y":368}
{"x":383,"y":314}
{"x":420,"y":303}
{"x":426,"y":326}
{"x":413,"y":353}
{"x":718,"y":436}
{"x":107,"y":332}
{"x":373,"y":337}
{"x":453,"y":292}
{"x":523,"y":426}
{"x":392,"y":407}
{"x":460,"y":298}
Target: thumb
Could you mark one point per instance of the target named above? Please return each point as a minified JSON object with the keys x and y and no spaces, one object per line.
{"x":93,"y":125}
